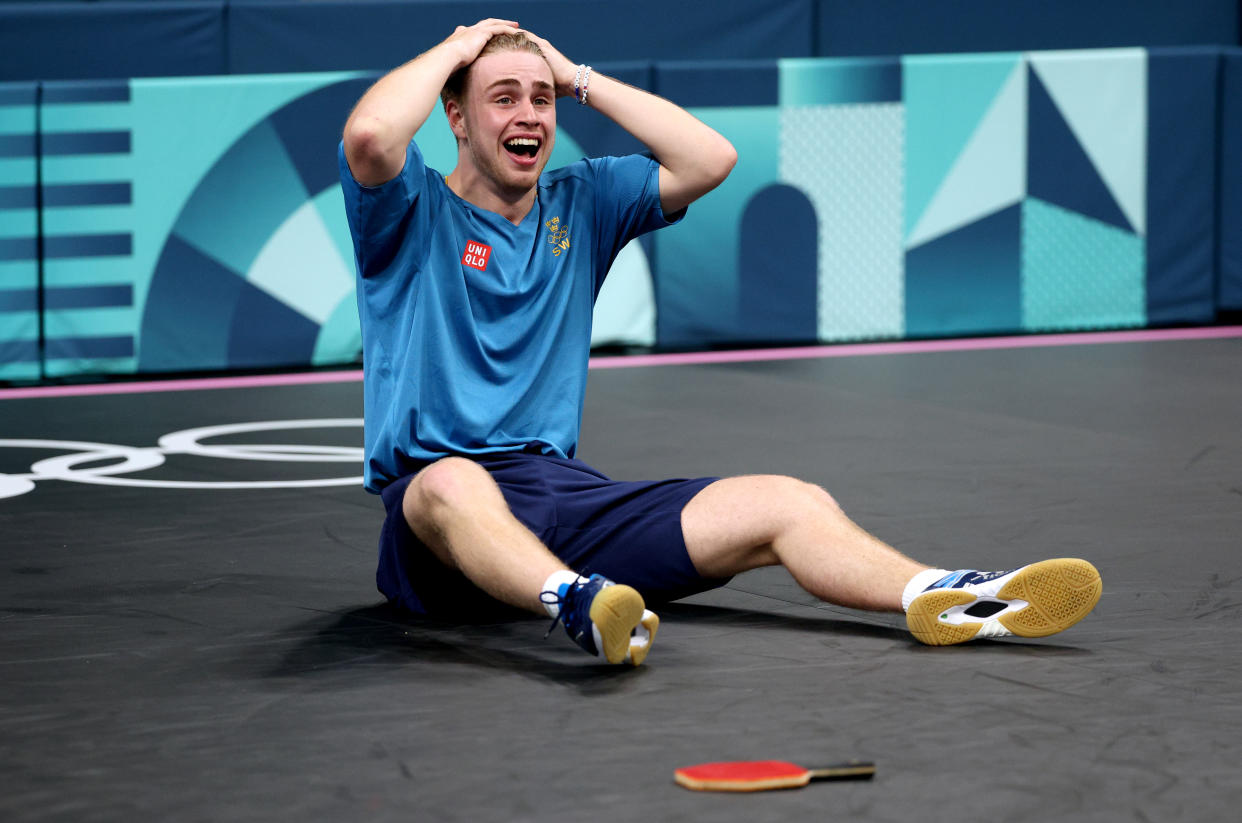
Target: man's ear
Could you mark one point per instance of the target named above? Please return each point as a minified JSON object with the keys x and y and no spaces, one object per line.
{"x":456,"y":118}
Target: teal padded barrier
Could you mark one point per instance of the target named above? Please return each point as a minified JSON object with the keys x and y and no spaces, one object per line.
{"x":63,"y":39}
{"x":292,"y":35}
{"x":195,"y":224}
{"x":1229,"y":266}
{"x":1182,"y":204}
{"x":19,"y":239}
{"x":882,"y":27}
{"x":87,"y":163}
{"x":114,"y":39}
{"x":955,"y":194}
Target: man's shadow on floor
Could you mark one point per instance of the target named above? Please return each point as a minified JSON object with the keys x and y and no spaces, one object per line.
{"x":353,"y":644}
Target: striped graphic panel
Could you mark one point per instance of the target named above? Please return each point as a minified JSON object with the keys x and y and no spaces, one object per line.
{"x":86,"y":148}
{"x":19,"y":226}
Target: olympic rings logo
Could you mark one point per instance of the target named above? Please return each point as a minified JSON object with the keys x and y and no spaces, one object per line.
{"x":79,"y":465}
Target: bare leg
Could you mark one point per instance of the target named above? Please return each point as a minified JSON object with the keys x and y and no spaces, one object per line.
{"x":742,"y":523}
{"x":457,"y":510}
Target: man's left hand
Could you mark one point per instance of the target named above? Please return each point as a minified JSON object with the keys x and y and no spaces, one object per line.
{"x":563,"y":71}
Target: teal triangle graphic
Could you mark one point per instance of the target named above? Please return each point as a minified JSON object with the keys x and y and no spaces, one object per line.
{"x":989,"y":173}
{"x":945,"y":99}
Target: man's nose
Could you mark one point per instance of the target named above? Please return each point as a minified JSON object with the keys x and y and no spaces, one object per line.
{"x":526,"y":112}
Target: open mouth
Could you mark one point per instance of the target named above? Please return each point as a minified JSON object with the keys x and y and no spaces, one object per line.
{"x":523,"y":149}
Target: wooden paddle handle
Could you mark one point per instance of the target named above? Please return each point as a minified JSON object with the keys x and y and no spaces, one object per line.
{"x":854,"y":770}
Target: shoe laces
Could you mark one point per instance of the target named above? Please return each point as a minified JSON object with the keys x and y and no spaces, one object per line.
{"x":548,"y":598}
{"x":568,"y":603}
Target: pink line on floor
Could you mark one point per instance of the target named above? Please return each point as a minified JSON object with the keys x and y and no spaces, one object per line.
{"x":635,"y":361}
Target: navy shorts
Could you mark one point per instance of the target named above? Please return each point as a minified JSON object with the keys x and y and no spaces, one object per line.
{"x":629,"y":532}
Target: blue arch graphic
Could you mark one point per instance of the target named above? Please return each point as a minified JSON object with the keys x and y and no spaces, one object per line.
{"x":778,"y":265}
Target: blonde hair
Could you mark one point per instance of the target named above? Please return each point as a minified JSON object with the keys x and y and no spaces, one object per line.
{"x":455,"y":86}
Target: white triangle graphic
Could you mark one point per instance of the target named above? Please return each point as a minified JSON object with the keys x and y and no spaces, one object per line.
{"x":1103,"y":97}
{"x":989,"y":174}
{"x":301,"y":266}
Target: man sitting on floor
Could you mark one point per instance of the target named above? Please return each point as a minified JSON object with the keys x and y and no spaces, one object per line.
{"x":476,"y":292}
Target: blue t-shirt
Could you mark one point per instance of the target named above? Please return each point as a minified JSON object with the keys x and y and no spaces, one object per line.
{"x":476,"y":332}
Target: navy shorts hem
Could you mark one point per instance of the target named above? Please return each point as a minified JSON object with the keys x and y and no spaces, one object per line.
{"x":628,"y":531}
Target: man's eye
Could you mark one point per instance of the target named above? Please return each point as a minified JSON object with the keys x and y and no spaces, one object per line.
{"x":504,"y":100}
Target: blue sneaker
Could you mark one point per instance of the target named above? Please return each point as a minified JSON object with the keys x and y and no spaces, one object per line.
{"x":606,"y":619}
{"x":1034,"y":601}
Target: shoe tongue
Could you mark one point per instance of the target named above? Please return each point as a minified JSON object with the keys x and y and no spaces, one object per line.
{"x":982,"y":577}
{"x":953,"y":579}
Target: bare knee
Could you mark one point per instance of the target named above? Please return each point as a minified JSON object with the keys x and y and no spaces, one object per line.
{"x":737,"y":523}
{"x":797,"y":498}
{"x":447,"y":487}
{"x":819,"y":496}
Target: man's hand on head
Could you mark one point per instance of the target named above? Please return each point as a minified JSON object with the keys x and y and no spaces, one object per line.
{"x":470,"y":40}
{"x":563,"y":71}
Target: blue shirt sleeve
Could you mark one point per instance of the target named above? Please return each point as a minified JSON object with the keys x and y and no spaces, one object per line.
{"x":627,"y":204}
{"x":378,"y":215}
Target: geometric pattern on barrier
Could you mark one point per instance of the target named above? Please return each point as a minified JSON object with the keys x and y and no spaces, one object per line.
{"x":1058,"y":168}
{"x":1102,"y":96}
{"x":776,"y":292}
{"x":1030,"y":170}
{"x":967,"y":281}
{"x":190,"y":307}
{"x":964,"y":121}
{"x":86,"y":164}
{"x":251,"y":217}
{"x":19,"y":266}
{"x":696,"y":275}
{"x":849,"y":160}
{"x":989,"y":172}
{"x":1063,"y":138}
{"x":262,"y":240}
{"x":1078,"y":272}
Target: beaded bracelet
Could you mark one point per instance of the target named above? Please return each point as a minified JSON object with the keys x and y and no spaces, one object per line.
{"x":578,"y":82}
{"x":586,"y":80}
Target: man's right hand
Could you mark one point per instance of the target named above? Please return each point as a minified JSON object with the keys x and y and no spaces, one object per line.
{"x":468,"y":41}
{"x":386,"y":118}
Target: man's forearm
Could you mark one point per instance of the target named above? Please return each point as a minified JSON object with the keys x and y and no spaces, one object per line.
{"x":694,"y":157}
{"x":388,"y":115}
{"x":386,"y":118}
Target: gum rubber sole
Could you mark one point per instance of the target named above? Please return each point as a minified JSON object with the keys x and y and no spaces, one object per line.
{"x":923,"y":618}
{"x":616,"y":611}
{"x":638,"y":651}
{"x":1059,"y":593}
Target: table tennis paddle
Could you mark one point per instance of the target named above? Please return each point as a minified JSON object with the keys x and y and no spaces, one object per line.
{"x":761,"y":775}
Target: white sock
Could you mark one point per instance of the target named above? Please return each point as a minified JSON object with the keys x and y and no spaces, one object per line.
{"x":917,"y":584}
{"x":556,"y":583}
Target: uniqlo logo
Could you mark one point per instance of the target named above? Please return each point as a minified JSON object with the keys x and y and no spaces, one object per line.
{"x":476,"y":255}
